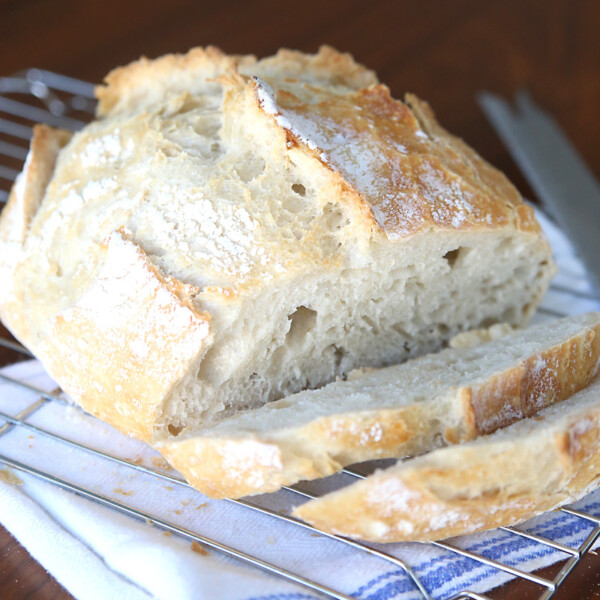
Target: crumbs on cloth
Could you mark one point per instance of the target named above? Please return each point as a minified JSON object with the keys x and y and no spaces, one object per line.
{"x":199,"y":549}
{"x":9,"y":477}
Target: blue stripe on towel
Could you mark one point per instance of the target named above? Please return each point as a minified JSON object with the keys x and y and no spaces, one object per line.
{"x":439,"y":573}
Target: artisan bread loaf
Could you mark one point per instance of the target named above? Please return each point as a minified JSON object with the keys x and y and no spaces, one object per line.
{"x":230,"y":231}
{"x":533,"y":466}
{"x":408,"y":409}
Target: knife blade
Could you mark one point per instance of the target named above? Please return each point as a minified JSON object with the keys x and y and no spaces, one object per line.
{"x":557,"y":173}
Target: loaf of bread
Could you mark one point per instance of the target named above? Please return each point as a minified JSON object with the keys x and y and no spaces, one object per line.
{"x":408,"y":409}
{"x":533,"y":466}
{"x":230,"y":231}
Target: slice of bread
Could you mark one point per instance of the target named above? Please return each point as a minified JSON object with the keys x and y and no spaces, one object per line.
{"x":408,"y":409}
{"x":533,"y":466}
{"x":230,"y":231}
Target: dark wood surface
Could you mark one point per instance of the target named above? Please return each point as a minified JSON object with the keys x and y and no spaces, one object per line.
{"x":445,"y":51}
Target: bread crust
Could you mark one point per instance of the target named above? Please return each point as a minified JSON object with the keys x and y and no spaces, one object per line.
{"x":500,"y":480}
{"x":24,"y":200}
{"x":124,"y":86}
{"x":221,"y":466}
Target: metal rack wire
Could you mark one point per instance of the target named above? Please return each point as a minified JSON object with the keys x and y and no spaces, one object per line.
{"x":41,"y":96}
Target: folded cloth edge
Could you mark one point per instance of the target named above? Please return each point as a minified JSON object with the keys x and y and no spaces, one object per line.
{"x":74,"y":554}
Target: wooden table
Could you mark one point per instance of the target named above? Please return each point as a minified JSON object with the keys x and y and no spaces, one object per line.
{"x":445,"y":51}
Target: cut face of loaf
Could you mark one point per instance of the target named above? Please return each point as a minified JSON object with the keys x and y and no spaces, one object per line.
{"x":408,"y":409}
{"x":528,"y":468}
{"x":231,"y":231}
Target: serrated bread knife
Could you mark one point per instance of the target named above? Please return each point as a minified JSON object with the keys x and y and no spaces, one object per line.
{"x":554,"y":169}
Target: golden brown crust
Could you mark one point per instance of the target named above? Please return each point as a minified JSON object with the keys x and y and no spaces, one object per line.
{"x":497,"y":403}
{"x":540,"y":381}
{"x":129,"y":81}
{"x":25,"y":198}
{"x":233,"y":469}
{"x":117,"y":336}
{"x":470,"y":488}
{"x":564,"y":379}
{"x":464,"y":160}
{"x":337,"y":68}
{"x":26,"y":195}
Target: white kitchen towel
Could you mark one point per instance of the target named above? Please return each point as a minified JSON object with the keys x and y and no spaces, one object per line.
{"x":96,"y":552}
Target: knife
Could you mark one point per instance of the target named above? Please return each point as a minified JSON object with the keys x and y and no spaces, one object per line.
{"x":557,"y":173}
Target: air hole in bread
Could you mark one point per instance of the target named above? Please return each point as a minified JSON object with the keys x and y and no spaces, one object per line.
{"x":334,"y":217}
{"x":174,"y":430}
{"x":171,"y":151}
{"x":57,"y":269}
{"x":250,"y":166}
{"x":488,"y":322}
{"x":299,"y":189}
{"x":293,"y":204}
{"x":277,"y":358}
{"x":339,"y":354}
{"x":443,"y":329}
{"x":258,"y":387}
{"x":451,"y":256}
{"x":330,"y":244}
{"x":509,"y":315}
{"x":302,"y":321}
{"x":521,"y":271}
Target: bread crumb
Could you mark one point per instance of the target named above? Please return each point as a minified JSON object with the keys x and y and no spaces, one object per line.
{"x":476,"y":337}
{"x":137,"y":461}
{"x":148,"y":522}
{"x":31,"y":437}
{"x":122,"y":491}
{"x":9,"y":477}
{"x":203,"y":505}
{"x":186,"y":502}
{"x":161,"y":463}
{"x":177,"y":511}
{"x":196,"y":547}
{"x":167,"y":533}
{"x":168,"y":488}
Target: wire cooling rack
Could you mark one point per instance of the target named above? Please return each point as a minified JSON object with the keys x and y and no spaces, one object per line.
{"x":41,"y":96}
